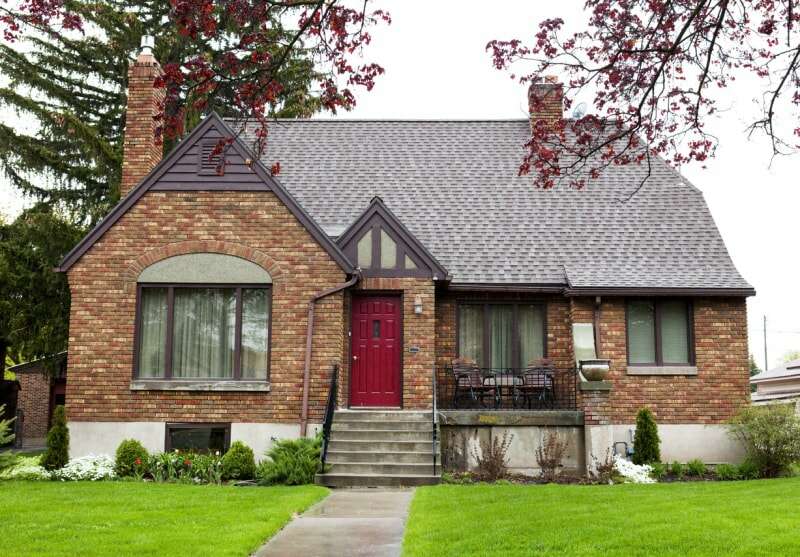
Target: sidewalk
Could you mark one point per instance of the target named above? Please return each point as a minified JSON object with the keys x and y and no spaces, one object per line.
{"x":349,"y":523}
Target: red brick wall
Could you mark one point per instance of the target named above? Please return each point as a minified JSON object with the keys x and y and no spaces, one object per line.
{"x":253,"y":225}
{"x":33,"y":399}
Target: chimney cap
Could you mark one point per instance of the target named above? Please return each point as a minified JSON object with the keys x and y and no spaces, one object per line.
{"x":147,"y":44}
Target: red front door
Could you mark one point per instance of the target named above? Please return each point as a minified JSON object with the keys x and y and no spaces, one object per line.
{"x":375,"y":352}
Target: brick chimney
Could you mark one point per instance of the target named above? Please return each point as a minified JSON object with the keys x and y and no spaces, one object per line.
{"x":140,"y":152}
{"x":546,"y":101}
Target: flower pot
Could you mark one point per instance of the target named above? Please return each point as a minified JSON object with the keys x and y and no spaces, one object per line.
{"x":595,"y":370}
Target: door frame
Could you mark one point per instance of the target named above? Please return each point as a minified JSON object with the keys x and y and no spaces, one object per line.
{"x":354,"y":294}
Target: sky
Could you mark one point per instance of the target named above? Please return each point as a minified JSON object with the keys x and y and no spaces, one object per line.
{"x":437,"y":67}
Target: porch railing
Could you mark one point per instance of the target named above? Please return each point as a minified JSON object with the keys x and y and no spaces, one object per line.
{"x":327,"y":422}
{"x":434,"y":421}
{"x":543,"y":388}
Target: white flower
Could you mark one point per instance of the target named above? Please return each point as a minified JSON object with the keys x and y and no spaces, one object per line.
{"x":89,"y":467}
{"x":636,"y":473}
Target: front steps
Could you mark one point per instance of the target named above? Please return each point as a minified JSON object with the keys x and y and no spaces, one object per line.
{"x":379,"y":448}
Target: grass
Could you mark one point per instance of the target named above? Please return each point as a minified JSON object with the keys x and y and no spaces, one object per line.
{"x":132,"y":518}
{"x":699,"y":518}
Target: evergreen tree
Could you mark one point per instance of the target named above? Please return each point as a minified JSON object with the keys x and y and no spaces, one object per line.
{"x":646,"y":441}
{"x":57,"y":453}
{"x":6,"y":437}
{"x":73,"y":86}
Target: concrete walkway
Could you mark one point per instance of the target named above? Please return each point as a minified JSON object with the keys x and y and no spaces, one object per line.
{"x":349,"y":523}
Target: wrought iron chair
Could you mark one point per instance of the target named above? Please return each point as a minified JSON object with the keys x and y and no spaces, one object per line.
{"x":536,"y":386}
{"x":471,"y":382}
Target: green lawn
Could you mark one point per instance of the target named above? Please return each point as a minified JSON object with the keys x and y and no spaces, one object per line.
{"x":704,"y":518}
{"x":130,"y":518}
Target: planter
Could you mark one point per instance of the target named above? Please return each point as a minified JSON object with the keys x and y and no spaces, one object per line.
{"x":595,"y":370}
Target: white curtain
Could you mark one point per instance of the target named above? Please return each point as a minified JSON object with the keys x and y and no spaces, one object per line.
{"x":255,"y":331}
{"x":502,"y":320}
{"x":641,"y":332}
{"x":674,"y":332}
{"x":203,"y":342}
{"x":153,"y":332}
{"x":531,"y":334}
{"x":470,"y":332}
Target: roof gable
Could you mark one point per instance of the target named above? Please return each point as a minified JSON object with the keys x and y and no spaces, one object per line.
{"x":376,"y":225}
{"x":242,"y":171}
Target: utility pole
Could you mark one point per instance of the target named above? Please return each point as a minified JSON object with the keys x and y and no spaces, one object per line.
{"x":766,"y":361}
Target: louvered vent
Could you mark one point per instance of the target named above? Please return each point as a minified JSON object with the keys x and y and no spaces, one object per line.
{"x":208,"y":164}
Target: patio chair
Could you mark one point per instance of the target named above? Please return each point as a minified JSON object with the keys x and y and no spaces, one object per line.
{"x":472,"y":383}
{"x":536,"y":385}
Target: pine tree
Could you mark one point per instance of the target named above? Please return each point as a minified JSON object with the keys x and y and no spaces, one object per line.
{"x":73,"y":86}
{"x":6,"y":436}
{"x":57,"y":454}
{"x":645,"y":440}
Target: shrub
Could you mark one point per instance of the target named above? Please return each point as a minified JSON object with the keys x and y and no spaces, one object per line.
{"x":727,"y":472}
{"x":57,"y":454}
{"x":131,"y":459}
{"x":7,"y":458}
{"x":771,"y":436}
{"x":238,"y":463}
{"x":646,"y":440}
{"x":291,"y":462}
{"x":206,"y":468}
{"x":748,"y":470}
{"x":550,"y":456}
{"x":658,"y":471}
{"x":492,"y":462}
{"x":25,"y":468}
{"x":695,"y":467}
{"x":604,"y":470}
{"x":89,"y":467}
{"x":677,"y":469}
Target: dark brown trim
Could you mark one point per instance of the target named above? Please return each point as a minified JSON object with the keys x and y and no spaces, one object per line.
{"x":659,"y":357}
{"x":199,"y":425}
{"x":170,"y":287}
{"x":673,"y":292}
{"x":237,"y":147}
{"x":490,"y":287}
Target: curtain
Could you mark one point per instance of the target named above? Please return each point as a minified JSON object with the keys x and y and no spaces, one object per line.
{"x":502,"y":320}
{"x":204,"y":332}
{"x":255,"y":330}
{"x":364,"y":250}
{"x":388,"y":251}
{"x":531,"y":334}
{"x":470,"y":332}
{"x":152,"y":332}
{"x":641,"y":332}
{"x":674,"y":333}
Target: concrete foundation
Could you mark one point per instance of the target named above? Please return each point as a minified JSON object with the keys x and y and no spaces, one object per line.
{"x":683,"y":442}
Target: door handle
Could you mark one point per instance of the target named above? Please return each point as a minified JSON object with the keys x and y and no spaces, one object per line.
{"x":355,"y":357}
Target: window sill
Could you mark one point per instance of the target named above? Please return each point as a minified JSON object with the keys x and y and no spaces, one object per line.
{"x":662,"y":370}
{"x":198,"y":385}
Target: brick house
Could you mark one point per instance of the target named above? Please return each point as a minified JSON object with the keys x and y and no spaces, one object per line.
{"x":42,"y":387}
{"x":216,"y":300}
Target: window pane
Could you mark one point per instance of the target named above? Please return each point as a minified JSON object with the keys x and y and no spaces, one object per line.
{"x":197,"y":439}
{"x":204,"y":332}
{"x":470,"y":333}
{"x":388,"y":251}
{"x":531,"y":333}
{"x":674,"y":333}
{"x":364,"y":248}
{"x":153,"y":332}
{"x":502,"y":318}
{"x":255,"y":330}
{"x":641,"y":333}
{"x":410,"y":263}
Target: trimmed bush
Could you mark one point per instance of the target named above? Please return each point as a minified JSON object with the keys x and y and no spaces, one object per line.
{"x":291,"y":462}
{"x":771,"y":436}
{"x":239,"y":463}
{"x":131,"y":459}
{"x":727,"y":472}
{"x":695,"y":467}
{"x":677,"y":469}
{"x":57,"y":454}
{"x":645,"y":440}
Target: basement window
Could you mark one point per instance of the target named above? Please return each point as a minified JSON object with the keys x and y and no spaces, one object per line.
{"x":198,"y":438}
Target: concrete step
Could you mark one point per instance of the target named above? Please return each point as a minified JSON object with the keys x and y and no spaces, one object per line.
{"x":375,"y":480}
{"x":367,"y":445}
{"x":380,"y":416}
{"x":383,"y":469}
{"x":380,"y":435}
{"x":385,"y":425}
{"x":389,"y":457}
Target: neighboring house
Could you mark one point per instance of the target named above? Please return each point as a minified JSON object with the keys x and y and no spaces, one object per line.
{"x":42,"y":387}
{"x":214,"y":301}
{"x":779,"y":385}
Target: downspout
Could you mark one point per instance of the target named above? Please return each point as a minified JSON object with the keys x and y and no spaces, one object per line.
{"x":596,"y":325}
{"x":309,"y":337}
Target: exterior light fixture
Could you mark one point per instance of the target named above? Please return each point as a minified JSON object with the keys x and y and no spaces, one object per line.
{"x":418,"y":305}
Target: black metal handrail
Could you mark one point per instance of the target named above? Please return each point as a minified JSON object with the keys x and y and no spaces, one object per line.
{"x":327,"y":422}
{"x":532,"y":388}
{"x":434,"y":421}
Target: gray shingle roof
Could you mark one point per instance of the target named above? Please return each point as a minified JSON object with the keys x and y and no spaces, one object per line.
{"x":454,"y":184}
{"x":783,"y":371}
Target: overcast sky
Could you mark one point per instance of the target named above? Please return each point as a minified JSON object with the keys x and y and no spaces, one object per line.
{"x":436,"y":67}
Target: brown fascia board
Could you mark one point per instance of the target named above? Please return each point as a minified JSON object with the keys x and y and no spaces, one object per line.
{"x":644,"y":291}
{"x":500,"y":287}
{"x":152,"y":178}
{"x":377,"y":206}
